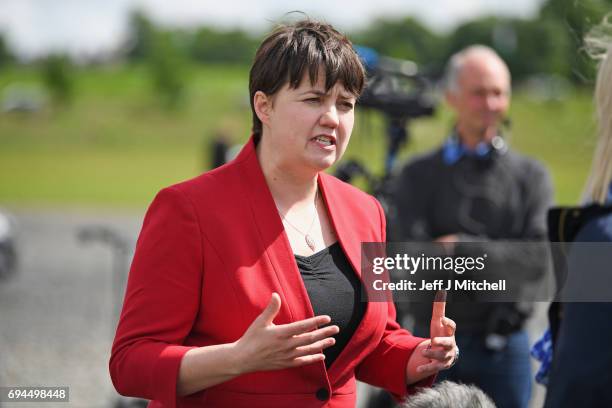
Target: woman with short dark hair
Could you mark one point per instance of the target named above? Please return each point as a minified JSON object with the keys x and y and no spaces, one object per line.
{"x":245,"y":287}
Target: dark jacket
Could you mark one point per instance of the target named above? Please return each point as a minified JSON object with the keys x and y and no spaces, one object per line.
{"x":581,"y":372}
{"x":499,"y":198}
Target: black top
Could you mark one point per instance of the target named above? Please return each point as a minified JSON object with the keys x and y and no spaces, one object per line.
{"x":334,"y":290}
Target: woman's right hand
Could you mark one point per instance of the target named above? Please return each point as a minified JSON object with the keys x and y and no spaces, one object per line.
{"x":267,"y":346}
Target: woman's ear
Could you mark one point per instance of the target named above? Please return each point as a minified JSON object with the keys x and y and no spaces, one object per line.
{"x":263,"y":105}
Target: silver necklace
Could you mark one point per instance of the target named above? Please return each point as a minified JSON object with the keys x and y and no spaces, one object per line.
{"x":307,"y":237}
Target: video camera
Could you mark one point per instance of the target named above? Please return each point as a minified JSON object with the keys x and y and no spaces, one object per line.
{"x":397,"y":89}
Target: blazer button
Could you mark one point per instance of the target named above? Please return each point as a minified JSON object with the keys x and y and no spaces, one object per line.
{"x":322,"y":394}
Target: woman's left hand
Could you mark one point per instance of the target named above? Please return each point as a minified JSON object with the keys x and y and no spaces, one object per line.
{"x":438,"y":353}
{"x":442,"y":348}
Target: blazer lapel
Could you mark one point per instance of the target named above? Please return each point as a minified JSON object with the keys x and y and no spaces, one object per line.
{"x":350,"y":237}
{"x":294,"y":297}
{"x":295,"y":302}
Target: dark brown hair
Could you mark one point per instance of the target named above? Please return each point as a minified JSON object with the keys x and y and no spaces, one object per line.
{"x":290,"y":51}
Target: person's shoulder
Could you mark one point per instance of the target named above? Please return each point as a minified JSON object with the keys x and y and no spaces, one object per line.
{"x":528,"y":169}
{"x":525,"y":162}
{"x":210,"y":186}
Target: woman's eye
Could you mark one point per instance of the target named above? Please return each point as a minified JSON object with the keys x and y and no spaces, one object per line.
{"x":313,"y":100}
{"x":347,"y":105}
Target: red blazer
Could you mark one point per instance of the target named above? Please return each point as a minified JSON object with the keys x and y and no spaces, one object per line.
{"x":211,"y":252}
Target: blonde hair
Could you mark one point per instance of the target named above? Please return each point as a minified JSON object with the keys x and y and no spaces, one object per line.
{"x":599,"y":46}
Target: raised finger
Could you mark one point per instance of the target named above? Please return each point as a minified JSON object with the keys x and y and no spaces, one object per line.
{"x":439,"y":306}
{"x":302,"y":326}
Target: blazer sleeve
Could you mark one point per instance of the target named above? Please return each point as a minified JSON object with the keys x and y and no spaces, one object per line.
{"x":385,"y":366}
{"x":161,"y":301}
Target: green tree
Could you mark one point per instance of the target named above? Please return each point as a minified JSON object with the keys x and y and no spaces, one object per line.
{"x":141,"y":37}
{"x":577,"y":17}
{"x":542,"y":47}
{"x":478,"y":31}
{"x":163,"y":52}
{"x":58,"y":78}
{"x":528,"y":46}
{"x":212,"y":46}
{"x":404,"y":38}
{"x":167,"y":66}
{"x":6,"y":57}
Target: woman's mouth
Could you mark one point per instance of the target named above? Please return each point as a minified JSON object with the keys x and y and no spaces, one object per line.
{"x":325,"y":141}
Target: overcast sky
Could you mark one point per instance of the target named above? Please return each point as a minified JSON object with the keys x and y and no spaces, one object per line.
{"x":35,"y":27}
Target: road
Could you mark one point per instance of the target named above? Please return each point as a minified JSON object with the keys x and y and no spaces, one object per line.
{"x":56,"y":313}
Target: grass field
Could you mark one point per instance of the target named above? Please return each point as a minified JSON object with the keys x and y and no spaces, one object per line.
{"x":116,"y":145}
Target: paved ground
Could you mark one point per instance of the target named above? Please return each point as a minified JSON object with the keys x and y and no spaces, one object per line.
{"x":57,"y":314}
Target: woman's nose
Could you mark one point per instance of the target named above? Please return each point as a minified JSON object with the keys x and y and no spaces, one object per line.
{"x":329,"y":118}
